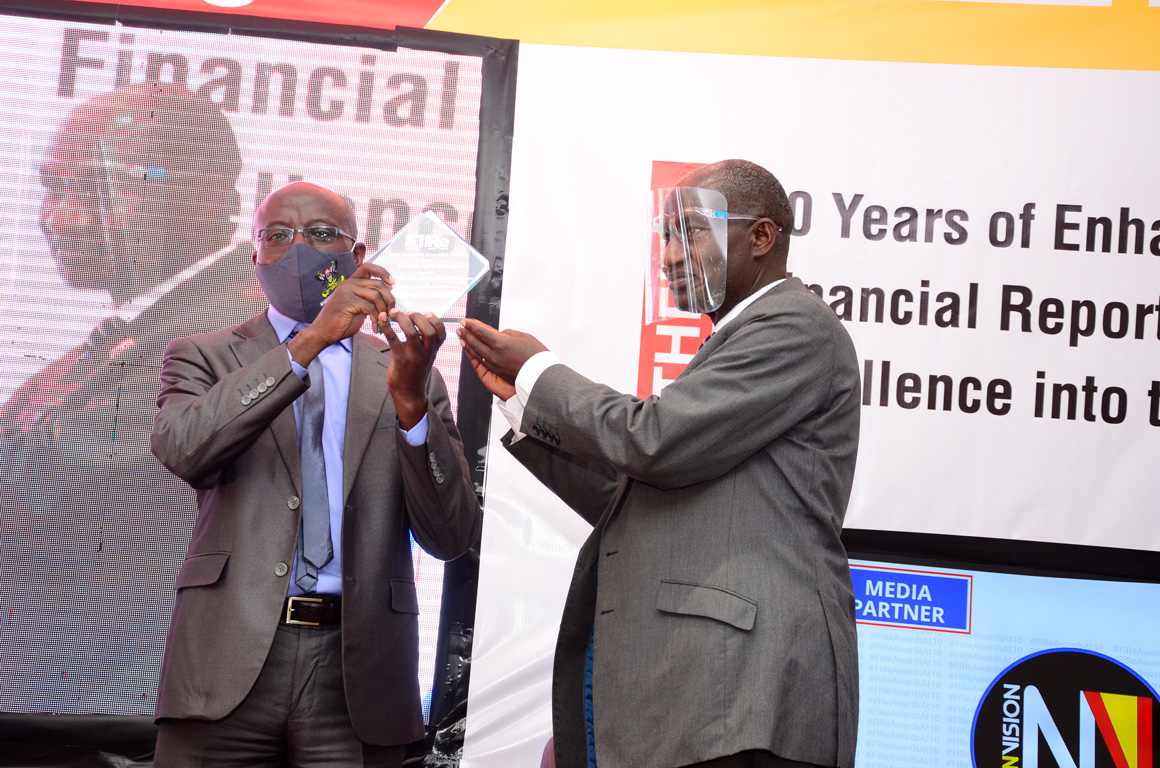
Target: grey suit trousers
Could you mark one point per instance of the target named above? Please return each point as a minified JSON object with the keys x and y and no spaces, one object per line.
{"x":294,"y":715}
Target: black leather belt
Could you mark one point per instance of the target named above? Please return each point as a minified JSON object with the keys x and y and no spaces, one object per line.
{"x":312,"y":610}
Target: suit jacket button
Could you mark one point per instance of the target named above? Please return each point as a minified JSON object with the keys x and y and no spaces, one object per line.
{"x":269,"y":381}
{"x":246,"y":399}
{"x":294,"y":502}
{"x":262,"y":386}
{"x":281,"y":569}
{"x":254,"y":394}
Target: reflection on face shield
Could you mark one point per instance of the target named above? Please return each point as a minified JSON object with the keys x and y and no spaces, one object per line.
{"x":89,"y":201}
{"x":138,"y":184}
{"x":693,"y":263}
{"x":691,"y":226}
{"x":688,"y":256}
{"x":77,"y":211}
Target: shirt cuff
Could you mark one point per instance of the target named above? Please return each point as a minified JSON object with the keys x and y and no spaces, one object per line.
{"x":528,"y":376}
{"x":298,"y":369}
{"x":513,"y":412}
{"x":513,"y":408}
{"x":416,"y":435}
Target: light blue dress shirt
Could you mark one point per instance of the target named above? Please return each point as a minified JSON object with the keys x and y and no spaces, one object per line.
{"x":336,"y":363}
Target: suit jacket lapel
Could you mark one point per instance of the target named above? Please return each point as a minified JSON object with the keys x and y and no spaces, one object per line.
{"x":364,"y":406}
{"x":256,"y":337}
{"x":718,"y":338}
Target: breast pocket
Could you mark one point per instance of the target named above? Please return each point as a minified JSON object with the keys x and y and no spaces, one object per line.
{"x":404,"y":596}
{"x":710,"y":602}
{"x":202,"y":570}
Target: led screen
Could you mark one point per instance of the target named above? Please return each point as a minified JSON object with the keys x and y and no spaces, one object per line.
{"x":132,"y":162}
{"x":967,"y":669}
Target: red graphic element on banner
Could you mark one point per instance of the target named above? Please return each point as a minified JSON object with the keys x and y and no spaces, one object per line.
{"x":668,"y":346}
{"x":359,"y":13}
{"x":1125,"y":722}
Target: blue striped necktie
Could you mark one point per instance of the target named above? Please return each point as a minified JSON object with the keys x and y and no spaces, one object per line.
{"x":314,"y":547}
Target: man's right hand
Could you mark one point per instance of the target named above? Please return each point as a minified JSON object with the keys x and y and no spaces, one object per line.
{"x":495,"y":384}
{"x":366,"y":292}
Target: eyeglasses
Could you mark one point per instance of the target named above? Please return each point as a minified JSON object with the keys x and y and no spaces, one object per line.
{"x":281,"y":237}
{"x":692,"y":223}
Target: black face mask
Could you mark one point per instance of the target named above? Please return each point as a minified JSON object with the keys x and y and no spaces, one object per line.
{"x":299,"y":283}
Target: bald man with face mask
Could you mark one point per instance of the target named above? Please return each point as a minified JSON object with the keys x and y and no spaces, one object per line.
{"x":316,"y":450}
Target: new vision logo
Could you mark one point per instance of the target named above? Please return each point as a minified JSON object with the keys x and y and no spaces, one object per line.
{"x":1065,"y":708}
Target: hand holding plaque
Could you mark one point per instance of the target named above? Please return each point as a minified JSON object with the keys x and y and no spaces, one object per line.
{"x":433,"y":266}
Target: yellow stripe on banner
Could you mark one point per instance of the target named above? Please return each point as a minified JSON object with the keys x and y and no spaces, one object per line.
{"x":1125,"y":35}
{"x":1123,"y":712}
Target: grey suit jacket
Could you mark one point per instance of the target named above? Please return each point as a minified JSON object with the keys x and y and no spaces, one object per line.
{"x":714,"y":582}
{"x":241,"y":456}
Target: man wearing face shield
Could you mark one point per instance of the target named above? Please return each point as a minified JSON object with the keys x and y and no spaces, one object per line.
{"x":687,"y":258}
{"x":139,"y":208}
{"x":316,"y":450}
{"x":710,"y":620}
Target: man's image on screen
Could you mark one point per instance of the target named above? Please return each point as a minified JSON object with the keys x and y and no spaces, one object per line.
{"x":140,"y":202}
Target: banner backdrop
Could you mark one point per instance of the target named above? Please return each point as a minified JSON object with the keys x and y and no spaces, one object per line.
{"x":990,"y":237}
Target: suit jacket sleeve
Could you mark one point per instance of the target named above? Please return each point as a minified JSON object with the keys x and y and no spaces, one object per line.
{"x":204,"y":423}
{"x":586,"y":486}
{"x":439,"y":496}
{"x":773,"y":367}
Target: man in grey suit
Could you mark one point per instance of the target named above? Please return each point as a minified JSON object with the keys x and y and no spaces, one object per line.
{"x":711,"y":606}
{"x":279,"y":655}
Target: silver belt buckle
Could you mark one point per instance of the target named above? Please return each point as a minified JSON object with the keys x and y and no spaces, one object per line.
{"x":292,"y":602}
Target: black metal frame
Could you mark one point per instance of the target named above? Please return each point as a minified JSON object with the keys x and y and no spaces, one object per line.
{"x":1030,"y":558}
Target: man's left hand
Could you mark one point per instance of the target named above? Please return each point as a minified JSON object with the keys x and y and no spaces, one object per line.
{"x":501,"y":352}
{"x":411,"y":359}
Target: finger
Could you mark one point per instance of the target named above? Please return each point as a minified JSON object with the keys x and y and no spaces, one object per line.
{"x":481,"y":335}
{"x":480,"y":369}
{"x":438,"y":330}
{"x":471,"y":356}
{"x":373,"y":290}
{"x":400,"y":317}
{"x":478,"y":347}
{"x":360,"y":301}
{"x":481,"y":331}
{"x":375,"y":294}
{"x":368,"y":270}
{"x":388,"y":331}
{"x":432,"y":336}
{"x":358,"y":305}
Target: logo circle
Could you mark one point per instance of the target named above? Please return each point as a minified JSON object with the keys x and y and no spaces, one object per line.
{"x":229,"y":3}
{"x":1069,"y":705}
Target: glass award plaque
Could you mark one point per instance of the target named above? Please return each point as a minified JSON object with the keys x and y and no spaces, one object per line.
{"x":433,"y":267}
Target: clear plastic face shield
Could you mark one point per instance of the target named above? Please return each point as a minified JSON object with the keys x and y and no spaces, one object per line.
{"x":90,"y":211}
{"x":688,"y":252}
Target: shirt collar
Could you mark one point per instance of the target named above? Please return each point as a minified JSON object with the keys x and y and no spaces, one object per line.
{"x":284,"y":326}
{"x":741,"y":305}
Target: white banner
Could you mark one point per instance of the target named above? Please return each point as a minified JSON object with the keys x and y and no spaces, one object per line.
{"x":990,"y":236}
